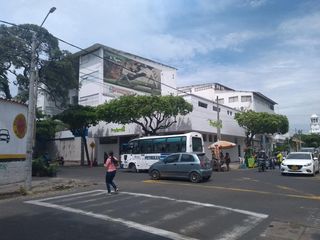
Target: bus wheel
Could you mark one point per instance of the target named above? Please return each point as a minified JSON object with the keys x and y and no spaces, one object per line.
{"x":133,"y":168}
{"x":155,"y":175}
{"x":195,"y":177}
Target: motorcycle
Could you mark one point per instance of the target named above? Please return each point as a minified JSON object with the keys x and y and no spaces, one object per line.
{"x":262,"y":165}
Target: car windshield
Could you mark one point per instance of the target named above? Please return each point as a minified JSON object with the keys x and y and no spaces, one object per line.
{"x":299,"y":156}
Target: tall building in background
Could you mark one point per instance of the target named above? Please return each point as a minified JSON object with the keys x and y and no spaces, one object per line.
{"x":315,"y":124}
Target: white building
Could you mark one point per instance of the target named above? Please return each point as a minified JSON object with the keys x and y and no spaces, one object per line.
{"x":49,"y":107}
{"x":106,"y":73}
{"x":239,"y":100}
{"x":314,"y":124}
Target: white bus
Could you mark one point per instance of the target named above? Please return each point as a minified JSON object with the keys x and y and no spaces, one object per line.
{"x":142,"y":152}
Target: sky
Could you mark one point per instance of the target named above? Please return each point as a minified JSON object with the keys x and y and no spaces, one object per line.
{"x":269,"y":46}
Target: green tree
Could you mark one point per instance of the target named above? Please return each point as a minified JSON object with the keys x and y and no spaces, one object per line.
{"x":79,"y":119}
{"x":57,"y":69}
{"x":310,"y":140}
{"x":261,"y":123}
{"x":45,"y":130}
{"x":151,"y":113}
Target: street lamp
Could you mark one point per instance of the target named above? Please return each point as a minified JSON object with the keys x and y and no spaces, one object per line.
{"x":32,"y":106}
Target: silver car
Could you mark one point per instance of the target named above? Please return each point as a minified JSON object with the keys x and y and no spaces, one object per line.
{"x":194,"y":166}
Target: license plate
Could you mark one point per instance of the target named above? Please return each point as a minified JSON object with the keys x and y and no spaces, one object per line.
{"x":294,"y":168}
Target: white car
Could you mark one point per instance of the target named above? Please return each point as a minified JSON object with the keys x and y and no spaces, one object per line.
{"x":300,"y":163}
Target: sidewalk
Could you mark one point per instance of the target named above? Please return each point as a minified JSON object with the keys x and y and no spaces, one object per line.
{"x":41,"y":185}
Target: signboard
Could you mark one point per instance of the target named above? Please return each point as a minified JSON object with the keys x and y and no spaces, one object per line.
{"x":13,"y":141}
{"x":128,"y":73}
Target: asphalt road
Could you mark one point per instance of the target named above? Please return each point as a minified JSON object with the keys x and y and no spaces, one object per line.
{"x":240,"y":204}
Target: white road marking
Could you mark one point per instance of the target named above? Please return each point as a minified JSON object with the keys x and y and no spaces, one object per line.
{"x":240,"y":229}
{"x":130,"y":224}
{"x":237,"y":231}
{"x":250,"y":213}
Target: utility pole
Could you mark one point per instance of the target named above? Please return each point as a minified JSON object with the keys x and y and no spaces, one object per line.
{"x":31,"y":114}
{"x":32,"y":107}
{"x":218,"y":120}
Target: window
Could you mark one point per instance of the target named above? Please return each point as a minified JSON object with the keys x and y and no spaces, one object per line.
{"x":271,"y":107}
{"x":246,"y":99}
{"x":204,"y":136}
{"x":201,"y":104}
{"x":146,"y":146}
{"x":183,"y":144}
{"x":187,"y":158}
{"x":159,"y":145}
{"x":233,"y":99}
{"x":221,"y":100}
{"x":210,"y":138}
{"x":214,"y":108}
{"x":174,"y":144}
{"x":196,"y":144}
{"x":135,"y":147}
{"x":172,"y":158}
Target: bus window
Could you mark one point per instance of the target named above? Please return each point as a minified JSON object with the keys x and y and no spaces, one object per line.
{"x":196,"y":144}
{"x":135,"y":147}
{"x":174,"y":144}
{"x":146,"y":146}
{"x":125,"y":148}
{"x":159,"y":145}
{"x":183,"y":144}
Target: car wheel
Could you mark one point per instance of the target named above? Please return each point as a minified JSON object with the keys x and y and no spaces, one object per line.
{"x":314,"y":172}
{"x":155,"y":175}
{"x":195,"y":177}
{"x":133,"y":168}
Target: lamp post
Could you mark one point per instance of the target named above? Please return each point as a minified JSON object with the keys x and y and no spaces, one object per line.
{"x":32,"y":107}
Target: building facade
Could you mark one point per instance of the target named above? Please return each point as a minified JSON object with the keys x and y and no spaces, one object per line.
{"x":314,"y":124}
{"x":106,"y":73}
{"x":238,"y":100}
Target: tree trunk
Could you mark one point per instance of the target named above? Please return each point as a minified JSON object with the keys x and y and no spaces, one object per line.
{"x":86,"y":149}
{"x":82,"y":153}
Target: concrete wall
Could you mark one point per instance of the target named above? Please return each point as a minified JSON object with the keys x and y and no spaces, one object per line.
{"x":13,"y":133}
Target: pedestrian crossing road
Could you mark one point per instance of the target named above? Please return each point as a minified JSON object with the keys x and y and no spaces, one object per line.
{"x":159,"y":215}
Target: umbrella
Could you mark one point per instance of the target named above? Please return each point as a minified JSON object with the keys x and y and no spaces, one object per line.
{"x":222,"y":145}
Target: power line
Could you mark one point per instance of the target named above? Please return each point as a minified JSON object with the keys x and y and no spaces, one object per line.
{"x":96,"y":55}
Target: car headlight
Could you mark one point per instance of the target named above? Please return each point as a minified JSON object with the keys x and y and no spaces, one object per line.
{"x":308,"y":164}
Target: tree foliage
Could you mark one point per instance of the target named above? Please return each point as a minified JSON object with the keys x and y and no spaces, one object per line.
{"x":310,"y":140}
{"x":261,"y":123}
{"x":151,"y":113}
{"x":56,"y":68}
{"x":79,"y":119}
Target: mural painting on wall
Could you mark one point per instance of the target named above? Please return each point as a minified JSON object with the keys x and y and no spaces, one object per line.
{"x":131,"y":74}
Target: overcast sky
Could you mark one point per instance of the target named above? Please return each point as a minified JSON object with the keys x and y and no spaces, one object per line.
{"x":269,"y":46}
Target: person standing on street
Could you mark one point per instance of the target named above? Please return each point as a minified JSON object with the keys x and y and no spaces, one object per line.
{"x":111,"y":165}
{"x":227,"y":160}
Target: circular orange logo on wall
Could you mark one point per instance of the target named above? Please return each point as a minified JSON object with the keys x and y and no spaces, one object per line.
{"x":20,"y":125}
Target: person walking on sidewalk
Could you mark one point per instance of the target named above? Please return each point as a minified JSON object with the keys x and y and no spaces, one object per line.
{"x":111,"y":165}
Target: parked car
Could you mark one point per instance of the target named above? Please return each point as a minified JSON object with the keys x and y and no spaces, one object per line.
{"x":193,"y":166}
{"x":300,"y":163}
{"x":4,"y":135}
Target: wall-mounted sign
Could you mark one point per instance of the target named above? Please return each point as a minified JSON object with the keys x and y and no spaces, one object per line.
{"x":122,"y":129}
{"x":20,"y":126}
